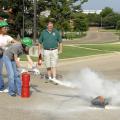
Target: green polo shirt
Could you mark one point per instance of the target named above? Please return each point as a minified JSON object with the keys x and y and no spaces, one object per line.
{"x":50,"y":39}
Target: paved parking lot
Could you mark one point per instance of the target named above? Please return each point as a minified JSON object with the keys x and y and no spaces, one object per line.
{"x":55,"y":102}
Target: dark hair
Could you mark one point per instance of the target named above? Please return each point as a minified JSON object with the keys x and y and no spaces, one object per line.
{"x":24,"y":46}
{"x":24,"y":49}
{"x":52,"y":20}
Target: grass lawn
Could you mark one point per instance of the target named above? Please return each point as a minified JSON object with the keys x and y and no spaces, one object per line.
{"x":71,"y":52}
{"x":108,"y":30}
{"x":73,"y":35}
{"x":23,"y":58}
{"x":104,"y":47}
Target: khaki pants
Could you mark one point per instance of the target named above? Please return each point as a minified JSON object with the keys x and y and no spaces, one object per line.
{"x":50,"y":57}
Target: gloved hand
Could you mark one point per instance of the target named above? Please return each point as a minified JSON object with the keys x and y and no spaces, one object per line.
{"x":36,"y":71}
{"x":34,"y":66}
{"x":22,"y":70}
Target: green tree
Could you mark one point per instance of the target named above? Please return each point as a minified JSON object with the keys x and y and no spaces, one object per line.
{"x":60,"y":10}
{"x":94,"y":19}
{"x":80,"y":22}
{"x":76,"y":5}
{"x":106,"y":11}
{"x":118,"y":25}
{"x":110,"y":21}
{"x":42,"y":23}
{"x":16,"y":16}
{"x":118,"y":28}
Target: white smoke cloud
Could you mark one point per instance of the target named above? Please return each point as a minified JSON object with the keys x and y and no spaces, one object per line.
{"x":90,"y":85}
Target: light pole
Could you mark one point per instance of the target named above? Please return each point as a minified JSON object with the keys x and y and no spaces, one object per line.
{"x":34,"y":19}
{"x":101,"y":22}
{"x":23,"y":31}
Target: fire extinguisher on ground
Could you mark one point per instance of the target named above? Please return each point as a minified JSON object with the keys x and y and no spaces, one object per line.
{"x":25,"y":92}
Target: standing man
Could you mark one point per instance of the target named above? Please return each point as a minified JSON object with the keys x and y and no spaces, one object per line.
{"x":51,"y":42}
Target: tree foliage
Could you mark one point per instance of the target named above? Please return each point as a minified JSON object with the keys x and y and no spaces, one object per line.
{"x":107,"y":18}
{"x":60,"y":10}
{"x":94,"y":19}
{"x":106,"y":11}
{"x":111,"y":20}
{"x":80,"y":22}
{"x":118,"y":25}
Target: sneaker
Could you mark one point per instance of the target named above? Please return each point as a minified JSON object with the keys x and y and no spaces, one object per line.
{"x":1,"y":91}
{"x":5,"y":90}
{"x":54,"y":80}
{"x":49,"y":79}
{"x":13,"y":95}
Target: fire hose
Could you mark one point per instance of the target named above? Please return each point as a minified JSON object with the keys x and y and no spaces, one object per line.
{"x":32,"y":70}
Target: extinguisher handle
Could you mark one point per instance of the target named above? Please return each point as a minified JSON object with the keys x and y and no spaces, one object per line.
{"x":40,"y":59}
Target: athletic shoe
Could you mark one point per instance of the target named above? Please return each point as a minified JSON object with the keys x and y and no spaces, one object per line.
{"x":1,"y":91}
{"x":13,"y":95}
{"x":5,"y":90}
{"x":54,"y":81}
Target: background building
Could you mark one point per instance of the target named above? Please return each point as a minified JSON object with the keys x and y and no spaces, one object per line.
{"x":92,"y":11}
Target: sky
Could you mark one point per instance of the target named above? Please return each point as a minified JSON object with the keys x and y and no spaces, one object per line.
{"x":100,"y":4}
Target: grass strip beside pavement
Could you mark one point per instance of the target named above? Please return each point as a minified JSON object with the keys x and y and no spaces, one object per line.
{"x":71,"y":52}
{"x":24,"y":58}
{"x":108,"y":30}
{"x":104,"y":47}
{"x":84,"y":50}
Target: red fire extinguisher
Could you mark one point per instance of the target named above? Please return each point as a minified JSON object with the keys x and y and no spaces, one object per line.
{"x":25,"y":85}
{"x":40,"y":59}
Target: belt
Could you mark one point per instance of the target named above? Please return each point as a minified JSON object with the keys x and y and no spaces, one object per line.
{"x":50,"y":48}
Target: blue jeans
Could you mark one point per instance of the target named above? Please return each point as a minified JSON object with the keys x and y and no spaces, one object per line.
{"x":14,"y":81}
{"x":1,"y":78}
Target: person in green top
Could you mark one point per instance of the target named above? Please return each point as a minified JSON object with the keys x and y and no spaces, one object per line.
{"x":51,"y":42}
{"x":13,"y":66}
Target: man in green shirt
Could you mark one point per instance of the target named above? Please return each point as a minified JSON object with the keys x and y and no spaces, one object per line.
{"x":51,"y":42}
